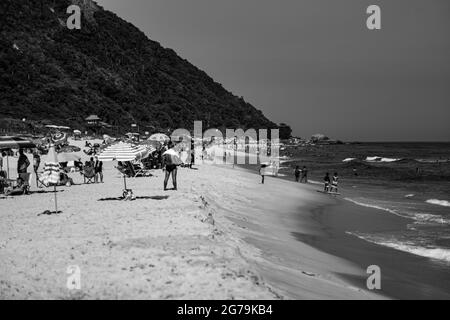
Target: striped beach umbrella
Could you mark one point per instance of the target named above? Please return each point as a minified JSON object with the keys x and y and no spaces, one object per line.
{"x":51,"y":172}
{"x":124,"y":152}
{"x":51,"y":167}
{"x":15,"y":143}
{"x":59,"y":137}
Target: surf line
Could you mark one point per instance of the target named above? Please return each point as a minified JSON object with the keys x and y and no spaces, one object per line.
{"x":201,"y":311}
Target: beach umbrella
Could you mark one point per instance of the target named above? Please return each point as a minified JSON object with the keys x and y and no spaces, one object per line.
{"x":51,"y":172}
{"x":124,"y":152}
{"x":160,"y":137}
{"x":14,"y":143}
{"x":76,"y":131}
{"x":59,"y":137}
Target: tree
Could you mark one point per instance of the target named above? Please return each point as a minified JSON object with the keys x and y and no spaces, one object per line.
{"x":285,"y":131}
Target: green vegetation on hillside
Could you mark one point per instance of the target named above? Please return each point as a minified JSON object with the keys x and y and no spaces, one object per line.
{"x":108,"y":68}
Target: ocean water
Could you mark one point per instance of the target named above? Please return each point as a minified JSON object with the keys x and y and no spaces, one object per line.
{"x":411,"y":180}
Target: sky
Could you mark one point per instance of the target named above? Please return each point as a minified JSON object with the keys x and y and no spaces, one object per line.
{"x":314,"y":64}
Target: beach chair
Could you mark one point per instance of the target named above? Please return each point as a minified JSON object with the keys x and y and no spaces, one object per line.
{"x":21,"y":186}
{"x":88,"y":174}
{"x":139,"y":170}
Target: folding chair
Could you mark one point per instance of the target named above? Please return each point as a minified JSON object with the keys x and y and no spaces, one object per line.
{"x":88,"y":175}
{"x":139,"y":170}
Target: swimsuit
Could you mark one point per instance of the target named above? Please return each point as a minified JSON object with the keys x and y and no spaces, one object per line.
{"x":171,"y":167}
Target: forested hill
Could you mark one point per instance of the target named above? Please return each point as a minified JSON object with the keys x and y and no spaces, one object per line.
{"x":108,"y":68}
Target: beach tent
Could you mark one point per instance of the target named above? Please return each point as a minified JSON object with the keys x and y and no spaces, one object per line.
{"x":51,"y":172}
{"x":14,"y":143}
{"x":124,"y":152}
{"x":160,"y":137}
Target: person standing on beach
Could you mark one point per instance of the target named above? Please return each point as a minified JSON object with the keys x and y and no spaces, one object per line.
{"x":297,"y":173}
{"x":23,"y":163}
{"x":262,"y":173}
{"x":334,"y":183}
{"x":192,"y":155}
{"x":169,"y":167}
{"x":327,"y":183}
{"x":36,"y":161}
{"x":98,"y":168}
{"x":304,"y":175}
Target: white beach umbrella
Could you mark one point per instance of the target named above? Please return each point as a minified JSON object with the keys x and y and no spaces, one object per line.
{"x":160,"y":137}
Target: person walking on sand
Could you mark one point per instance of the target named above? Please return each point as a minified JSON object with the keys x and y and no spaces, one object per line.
{"x":334,"y":183}
{"x":304,"y":175}
{"x":169,"y":167}
{"x":327,"y":183}
{"x":98,"y":168}
{"x":23,"y":163}
{"x":36,"y":161}
{"x":297,"y":173}
{"x":262,"y":173}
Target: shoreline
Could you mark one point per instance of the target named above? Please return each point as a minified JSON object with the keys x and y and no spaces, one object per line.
{"x":297,"y":268}
{"x":404,"y":275}
{"x":223,"y":235}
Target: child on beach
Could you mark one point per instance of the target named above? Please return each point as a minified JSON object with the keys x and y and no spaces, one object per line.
{"x":334,"y":183}
{"x":261,"y":172}
{"x":98,"y":167}
{"x":327,"y":183}
{"x":304,"y":175}
{"x":297,"y":173}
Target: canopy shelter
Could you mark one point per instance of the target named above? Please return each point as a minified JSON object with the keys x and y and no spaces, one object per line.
{"x":14,"y":143}
{"x":124,"y":152}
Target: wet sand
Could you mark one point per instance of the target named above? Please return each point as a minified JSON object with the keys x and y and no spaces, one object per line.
{"x":403,"y":275}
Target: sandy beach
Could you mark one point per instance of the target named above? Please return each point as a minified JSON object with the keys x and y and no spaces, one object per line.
{"x":223,"y":235}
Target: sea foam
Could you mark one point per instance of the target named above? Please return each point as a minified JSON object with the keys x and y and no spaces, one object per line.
{"x":381,"y":159}
{"x":432,"y":253}
{"x":443,"y":203}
